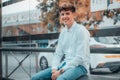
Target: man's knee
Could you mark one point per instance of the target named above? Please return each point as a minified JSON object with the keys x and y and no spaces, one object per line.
{"x":61,"y":78}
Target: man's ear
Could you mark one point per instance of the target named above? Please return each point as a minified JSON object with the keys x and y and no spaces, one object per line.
{"x":74,"y":15}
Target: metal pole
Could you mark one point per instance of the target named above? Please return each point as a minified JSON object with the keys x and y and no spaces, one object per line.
{"x":0,"y":42}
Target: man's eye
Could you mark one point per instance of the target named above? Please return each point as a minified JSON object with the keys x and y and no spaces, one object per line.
{"x":62,"y":14}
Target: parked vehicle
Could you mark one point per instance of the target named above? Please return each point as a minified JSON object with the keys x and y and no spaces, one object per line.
{"x":101,"y":60}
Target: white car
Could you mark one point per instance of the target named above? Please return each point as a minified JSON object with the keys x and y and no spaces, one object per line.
{"x":101,"y":60}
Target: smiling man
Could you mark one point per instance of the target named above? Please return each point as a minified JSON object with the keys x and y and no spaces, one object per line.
{"x":73,"y":44}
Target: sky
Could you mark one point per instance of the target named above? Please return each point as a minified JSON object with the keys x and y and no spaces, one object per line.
{"x":22,"y":6}
{"x":5,"y":0}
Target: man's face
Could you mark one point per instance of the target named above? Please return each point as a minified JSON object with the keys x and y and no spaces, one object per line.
{"x":67,"y":18}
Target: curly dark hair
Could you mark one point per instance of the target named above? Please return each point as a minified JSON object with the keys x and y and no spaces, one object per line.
{"x":67,"y":7}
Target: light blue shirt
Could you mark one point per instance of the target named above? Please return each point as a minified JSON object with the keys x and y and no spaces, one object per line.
{"x":74,"y":44}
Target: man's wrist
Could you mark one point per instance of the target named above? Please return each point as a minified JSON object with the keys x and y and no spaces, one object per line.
{"x":53,"y":70}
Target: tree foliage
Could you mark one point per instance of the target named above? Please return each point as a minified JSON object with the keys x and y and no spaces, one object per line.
{"x":49,"y":12}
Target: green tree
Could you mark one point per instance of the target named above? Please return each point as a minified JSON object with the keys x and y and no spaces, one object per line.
{"x":49,"y":12}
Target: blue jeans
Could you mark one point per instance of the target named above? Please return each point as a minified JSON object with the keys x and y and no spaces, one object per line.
{"x":70,"y":74}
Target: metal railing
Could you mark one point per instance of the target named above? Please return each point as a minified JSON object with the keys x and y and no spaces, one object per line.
{"x":33,"y":49}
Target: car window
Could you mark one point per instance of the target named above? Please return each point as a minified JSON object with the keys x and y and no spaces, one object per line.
{"x":108,"y":40}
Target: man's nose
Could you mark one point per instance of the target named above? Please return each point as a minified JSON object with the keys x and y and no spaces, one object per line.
{"x":65,"y":15}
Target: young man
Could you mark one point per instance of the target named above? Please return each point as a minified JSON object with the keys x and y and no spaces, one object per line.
{"x":73,"y":43}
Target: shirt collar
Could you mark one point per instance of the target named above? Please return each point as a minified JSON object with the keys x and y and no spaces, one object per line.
{"x":72,"y":27}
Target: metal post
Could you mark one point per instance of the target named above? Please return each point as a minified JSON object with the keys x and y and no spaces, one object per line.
{"x":0,"y":42}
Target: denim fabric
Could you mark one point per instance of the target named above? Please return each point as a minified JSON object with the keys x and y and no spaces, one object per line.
{"x":70,"y":74}
{"x":43,"y":75}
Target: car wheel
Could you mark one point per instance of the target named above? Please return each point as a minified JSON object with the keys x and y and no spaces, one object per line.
{"x":114,"y":69}
{"x":43,"y":63}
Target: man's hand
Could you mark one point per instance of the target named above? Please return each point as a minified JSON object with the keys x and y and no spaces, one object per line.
{"x":55,"y":74}
{"x":53,"y":71}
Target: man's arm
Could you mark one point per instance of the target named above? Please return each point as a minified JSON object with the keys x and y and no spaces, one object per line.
{"x":58,"y":53}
